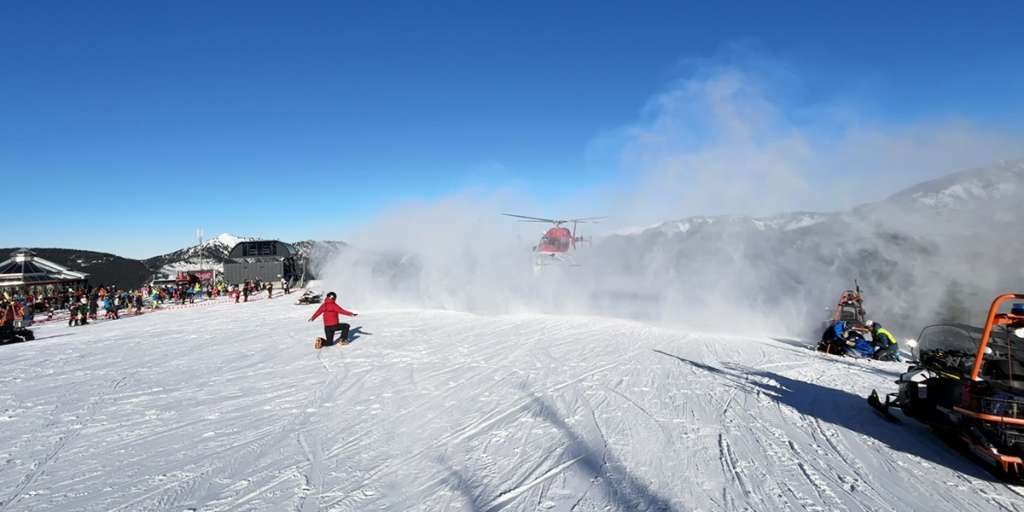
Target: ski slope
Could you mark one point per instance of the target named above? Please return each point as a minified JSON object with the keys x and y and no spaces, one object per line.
{"x":228,"y":407}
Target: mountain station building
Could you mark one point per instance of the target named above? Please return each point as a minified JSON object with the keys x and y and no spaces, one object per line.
{"x":264,"y":260}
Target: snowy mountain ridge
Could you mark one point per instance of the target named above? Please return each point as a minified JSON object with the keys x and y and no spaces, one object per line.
{"x":783,"y":222}
{"x":211,"y":253}
{"x":918,"y":254}
{"x":964,"y":188}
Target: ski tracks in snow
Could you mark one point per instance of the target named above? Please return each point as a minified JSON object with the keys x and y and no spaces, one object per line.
{"x":451,"y":411}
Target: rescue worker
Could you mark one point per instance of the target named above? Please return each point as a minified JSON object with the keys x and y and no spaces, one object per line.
{"x":886,"y":348}
{"x":833,"y":340}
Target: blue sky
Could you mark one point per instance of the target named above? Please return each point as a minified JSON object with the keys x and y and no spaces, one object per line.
{"x":126,"y":125}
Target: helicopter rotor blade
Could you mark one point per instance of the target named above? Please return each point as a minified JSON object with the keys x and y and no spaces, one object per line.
{"x":581,"y":220}
{"x":526,"y":218}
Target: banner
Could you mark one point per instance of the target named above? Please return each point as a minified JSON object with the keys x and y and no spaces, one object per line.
{"x":202,"y":275}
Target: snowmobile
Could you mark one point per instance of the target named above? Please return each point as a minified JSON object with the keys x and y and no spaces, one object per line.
{"x":310,"y":297}
{"x":15,"y":335}
{"x":967,"y":383}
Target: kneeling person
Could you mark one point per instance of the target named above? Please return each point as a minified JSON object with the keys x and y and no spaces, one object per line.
{"x":330,"y":309}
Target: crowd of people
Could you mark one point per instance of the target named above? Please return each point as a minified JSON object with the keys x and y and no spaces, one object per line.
{"x":85,"y":303}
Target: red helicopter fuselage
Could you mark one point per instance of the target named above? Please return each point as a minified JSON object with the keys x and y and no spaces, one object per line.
{"x":555,"y":240}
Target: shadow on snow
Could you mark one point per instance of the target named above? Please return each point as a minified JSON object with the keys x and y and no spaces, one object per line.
{"x":357,"y":332}
{"x":845,"y":410}
{"x":598,"y":464}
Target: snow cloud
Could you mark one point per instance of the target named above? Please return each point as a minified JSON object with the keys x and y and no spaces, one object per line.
{"x":728,"y":139}
{"x":736,"y":137}
{"x":456,"y":253}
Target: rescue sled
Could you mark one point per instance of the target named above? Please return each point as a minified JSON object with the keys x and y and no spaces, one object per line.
{"x":968,"y":383}
{"x":309,"y":297}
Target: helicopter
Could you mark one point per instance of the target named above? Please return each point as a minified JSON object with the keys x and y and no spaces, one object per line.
{"x":559,"y":242}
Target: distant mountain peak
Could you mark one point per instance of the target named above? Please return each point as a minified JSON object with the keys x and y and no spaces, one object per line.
{"x":783,"y":222}
{"x":226,"y":239}
{"x":211,"y":253}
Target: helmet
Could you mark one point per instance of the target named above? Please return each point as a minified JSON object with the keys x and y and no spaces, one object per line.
{"x":332,"y":295}
{"x":875,"y":326}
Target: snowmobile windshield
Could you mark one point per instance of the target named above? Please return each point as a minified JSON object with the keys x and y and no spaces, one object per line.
{"x":949,"y":347}
{"x":1004,"y":358}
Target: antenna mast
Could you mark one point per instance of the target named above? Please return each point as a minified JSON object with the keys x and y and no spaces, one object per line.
{"x":199,"y":236}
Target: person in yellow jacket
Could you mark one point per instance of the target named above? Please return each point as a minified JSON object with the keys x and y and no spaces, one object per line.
{"x":886,"y":348}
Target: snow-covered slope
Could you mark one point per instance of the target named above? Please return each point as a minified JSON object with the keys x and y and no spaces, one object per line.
{"x":430,"y":410}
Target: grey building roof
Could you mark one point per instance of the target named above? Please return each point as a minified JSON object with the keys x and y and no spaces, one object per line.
{"x":25,"y":268}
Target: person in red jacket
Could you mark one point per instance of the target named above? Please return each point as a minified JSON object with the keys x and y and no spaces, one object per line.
{"x":331,"y":310}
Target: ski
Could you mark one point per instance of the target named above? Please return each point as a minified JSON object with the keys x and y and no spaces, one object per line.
{"x":882,"y":408}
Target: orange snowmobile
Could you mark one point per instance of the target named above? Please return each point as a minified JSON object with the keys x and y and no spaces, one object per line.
{"x":850,"y":309}
{"x":967,"y":383}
